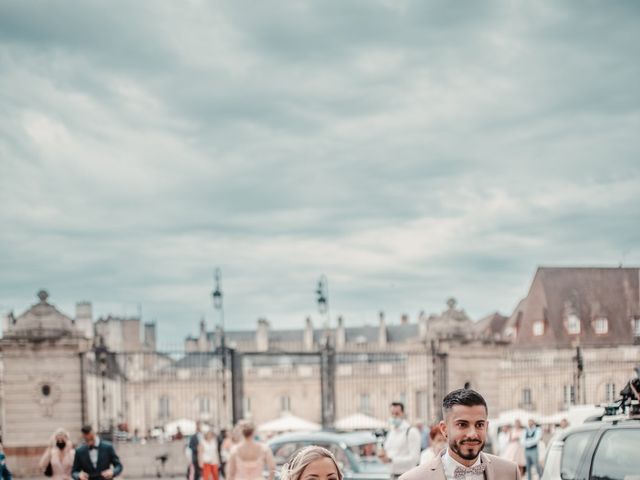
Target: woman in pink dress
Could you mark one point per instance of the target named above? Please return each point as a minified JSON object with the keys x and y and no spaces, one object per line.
{"x":60,"y":454}
{"x":250,"y":458}
{"x":514,"y":450}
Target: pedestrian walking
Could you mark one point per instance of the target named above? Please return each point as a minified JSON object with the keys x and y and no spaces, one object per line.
{"x":436,"y":444}
{"x":208,"y":456}
{"x":401,"y":448}
{"x":57,"y":460}
{"x":96,"y":459}
{"x":5,"y":473}
{"x":250,"y":458}
{"x":515,"y":448}
{"x":195,"y":472}
{"x":531,"y":441}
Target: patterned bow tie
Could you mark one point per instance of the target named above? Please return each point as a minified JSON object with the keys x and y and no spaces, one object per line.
{"x":460,"y":472}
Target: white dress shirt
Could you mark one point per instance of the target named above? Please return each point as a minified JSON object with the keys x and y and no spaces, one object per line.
{"x":450,"y":466}
{"x":93,"y":452}
{"x":402,"y":446}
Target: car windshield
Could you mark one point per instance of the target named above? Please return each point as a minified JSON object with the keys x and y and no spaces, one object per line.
{"x":617,"y":456}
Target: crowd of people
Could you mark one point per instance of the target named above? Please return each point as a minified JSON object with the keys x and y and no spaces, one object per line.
{"x":235,"y":455}
{"x":452,"y":449}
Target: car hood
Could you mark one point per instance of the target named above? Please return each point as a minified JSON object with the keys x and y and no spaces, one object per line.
{"x":373,"y":467}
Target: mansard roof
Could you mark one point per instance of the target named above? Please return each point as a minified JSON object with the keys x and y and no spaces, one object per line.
{"x":558,"y":293}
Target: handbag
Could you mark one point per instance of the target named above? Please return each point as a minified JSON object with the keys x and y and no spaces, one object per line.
{"x":48,"y":472}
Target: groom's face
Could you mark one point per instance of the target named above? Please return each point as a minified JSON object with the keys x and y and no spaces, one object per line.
{"x":465,"y":429}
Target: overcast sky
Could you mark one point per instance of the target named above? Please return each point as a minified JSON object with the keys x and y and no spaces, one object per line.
{"x":409,"y":150}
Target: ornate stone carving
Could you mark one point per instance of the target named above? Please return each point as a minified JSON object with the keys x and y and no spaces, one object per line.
{"x":46,"y":393}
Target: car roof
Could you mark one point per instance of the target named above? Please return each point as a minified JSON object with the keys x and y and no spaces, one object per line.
{"x":605,"y":424}
{"x":351,"y":438}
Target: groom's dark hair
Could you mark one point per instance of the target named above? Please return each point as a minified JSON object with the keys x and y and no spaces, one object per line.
{"x":462,"y":396}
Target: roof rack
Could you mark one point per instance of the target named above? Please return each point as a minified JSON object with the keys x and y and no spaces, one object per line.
{"x":628,"y":405}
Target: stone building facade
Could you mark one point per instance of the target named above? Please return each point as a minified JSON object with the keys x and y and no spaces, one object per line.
{"x":574,"y":338}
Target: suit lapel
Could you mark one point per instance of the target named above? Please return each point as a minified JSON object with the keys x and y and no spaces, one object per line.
{"x":101,"y":454}
{"x":436,"y":469}
{"x":489,"y":472}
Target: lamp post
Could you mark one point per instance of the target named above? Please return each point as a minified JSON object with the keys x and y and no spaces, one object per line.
{"x":218,"y":305}
{"x":327,"y":357}
{"x":322,"y":292}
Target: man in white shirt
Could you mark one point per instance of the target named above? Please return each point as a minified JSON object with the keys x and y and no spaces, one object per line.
{"x":465,"y":428}
{"x":402,"y":446}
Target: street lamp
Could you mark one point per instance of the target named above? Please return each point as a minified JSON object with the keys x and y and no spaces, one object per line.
{"x":217,"y":304}
{"x":322,"y":292}
{"x":327,"y":356}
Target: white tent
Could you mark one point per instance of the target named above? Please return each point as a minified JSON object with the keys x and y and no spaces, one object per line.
{"x":187,"y":427}
{"x":288,"y":423}
{"x":359,"y":421}
{"x":510,"y":416}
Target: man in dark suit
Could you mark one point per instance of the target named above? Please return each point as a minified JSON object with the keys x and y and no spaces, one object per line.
{"x":96,"y":459}
{"x":195,"y":472}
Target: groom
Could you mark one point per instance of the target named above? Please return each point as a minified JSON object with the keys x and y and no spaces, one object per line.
{"x":465,"y":428}
{"x":96,"y":459}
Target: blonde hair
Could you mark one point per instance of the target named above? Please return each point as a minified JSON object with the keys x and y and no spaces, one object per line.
{"x":303,"y":458}
{"x":61,"y":432}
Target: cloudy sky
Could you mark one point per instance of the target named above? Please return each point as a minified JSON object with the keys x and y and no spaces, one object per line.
{"x":408,"y":150}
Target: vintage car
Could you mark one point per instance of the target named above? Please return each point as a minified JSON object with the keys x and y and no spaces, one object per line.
{"x":355,"y":452}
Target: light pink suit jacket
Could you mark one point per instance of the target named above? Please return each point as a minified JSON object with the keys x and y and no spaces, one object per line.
{"x":496,"y":469}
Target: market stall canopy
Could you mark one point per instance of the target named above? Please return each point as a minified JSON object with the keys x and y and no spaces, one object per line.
{"x":187,"y":427}
{"x":359,"y":421}
{"x":289,"y":423}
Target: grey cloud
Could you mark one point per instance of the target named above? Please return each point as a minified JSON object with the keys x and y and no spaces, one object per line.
{"x":409,"y":150}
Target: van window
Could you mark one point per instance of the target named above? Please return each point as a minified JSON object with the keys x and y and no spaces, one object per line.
{"x":616,"y":457}
{"x":574,"y":447}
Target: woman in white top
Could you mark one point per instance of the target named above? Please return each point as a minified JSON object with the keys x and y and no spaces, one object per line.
{"x":208,"y":456}
{"x":436,"y":443}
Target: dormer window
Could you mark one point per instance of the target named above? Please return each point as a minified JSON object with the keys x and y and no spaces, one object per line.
{"x":573,"y":324}
{"x":538,"y":328}
{"x":601,"y":325}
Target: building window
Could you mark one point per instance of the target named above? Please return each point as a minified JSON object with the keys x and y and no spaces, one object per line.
{"x":285,"y":403}
{"x":635,"y":326}
{"x":569,"y":395}
{"x":573,"y":324}
{"x":538,"y":328}
{"x":204,"y":405}
{"x":610,"y":392}
{"x":601,"y":325}
{"x":526,"y":396}
{"x":364,"y":403}
{"x":422,"y":405}
{"x":164,"y":407}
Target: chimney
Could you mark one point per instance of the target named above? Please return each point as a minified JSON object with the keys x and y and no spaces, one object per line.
{"x":84,"y":318}
{"x":262,"y":335}
{"x":150,"y":336}
{"x":308,"y":335}
{"x":404,"y":319}
{"x":341,"y":334}
{"x":382,"y":331}
{"x":202,"y":338}
{"x":422,"y":325}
